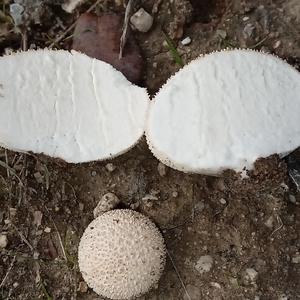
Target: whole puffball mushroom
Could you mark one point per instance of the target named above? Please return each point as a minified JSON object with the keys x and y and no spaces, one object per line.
{"x":121,"y":254}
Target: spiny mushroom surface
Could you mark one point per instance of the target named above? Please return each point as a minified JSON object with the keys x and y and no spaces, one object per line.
{"x":69,"y":106}
{"x":121,"y":254}
{"x":224,"y":111}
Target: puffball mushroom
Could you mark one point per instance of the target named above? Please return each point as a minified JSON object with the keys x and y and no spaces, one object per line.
{"x":68,"y":105}
{"x":121,"y":254}
{"x":224,"y":111}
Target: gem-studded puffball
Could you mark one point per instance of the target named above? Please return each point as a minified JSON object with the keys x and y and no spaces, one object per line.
{"x":121,"y":254}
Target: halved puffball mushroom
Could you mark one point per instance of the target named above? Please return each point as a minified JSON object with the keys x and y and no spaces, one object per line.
{"x":121,"y":254}
{"x":224,"y":111}
{"x":69,"y":106}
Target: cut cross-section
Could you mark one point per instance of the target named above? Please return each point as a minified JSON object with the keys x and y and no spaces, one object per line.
{"x":224,"y":111}
{"x":69,"y":106}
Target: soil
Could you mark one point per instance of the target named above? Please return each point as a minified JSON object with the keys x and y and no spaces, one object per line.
{"x":232,"y":237}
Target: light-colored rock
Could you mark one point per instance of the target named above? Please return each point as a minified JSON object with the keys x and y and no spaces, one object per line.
{"x":296,"y":259}
{"x":110,"y":167}
{"x":162,"y":169}
{"x":204,"y":264}
{"x":141,"y":20}
{"x":251,"y":274}
{"x":108,"y":202}
{"x":3,"y":240}
{"x":186,"y":41}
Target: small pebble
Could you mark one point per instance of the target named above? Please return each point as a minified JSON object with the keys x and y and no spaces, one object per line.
{"x":3,"y":241}
{"x":246,"y":19}
{"x":251,"y":274}
{"x":38,"y":177}
{"x":162,"y":170}
{"x":47,"y":230}
{"x":12,"y":212}
{"x":277,"y":44}
{"x":204,"y":264}
{"x":186,"y":41}
{"x":223,"y":201}
{"x":292,"y":199}
{"x":94,"y":173}
{"x":36,"y":255}
{"x":175,"y":194}
{"x":15,"y":284}
{"x":110,"y":167}
{"x":82,"y":287}
{"x":296,"y":259}
{"x":108,"y":202}
{"x":141,"y":20}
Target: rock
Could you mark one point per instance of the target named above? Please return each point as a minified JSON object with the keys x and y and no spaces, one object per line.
{"x":70,"y":5}
{"x":38,"y":177}
{"x":99,"y":37}
{"x":108,"y":202}
{"x":3,"y":241}
{"x":296,"y":259}
{"x":204,"y":264}
{"x":186,"y":41}
{"x":93,"y":173}
{"x":82,"y":287}
{"x":16,"y":11}
{"x":47,"y":230}
{"x":141,"y":20}
{"x":223,"y":201}
{"x":162,"y":169}
{"x":110,"y":167}
{"x":250,"y":276}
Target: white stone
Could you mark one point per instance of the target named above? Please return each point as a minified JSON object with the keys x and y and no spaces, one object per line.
{"x":3,"y":240}
{"x":251,"y":274}
{"x":204,"y":264}
{"x":110,"y":167}
{"x":186,"y":41}
{"x":141,"y":20}
{"x":296,"y":259}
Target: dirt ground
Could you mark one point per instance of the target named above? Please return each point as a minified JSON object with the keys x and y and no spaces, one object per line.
{"x":228,"y":238}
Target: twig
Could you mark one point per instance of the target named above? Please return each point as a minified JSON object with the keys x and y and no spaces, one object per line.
{"x":8,"y":271}
{"x":178,"y":275}
{"x":280,"y":226}
{"x":125,"y":27}
{"x":71,"y":27}
{"x":23,"y":237}
{"x":12,"y":171}
{"x":59,"y":237}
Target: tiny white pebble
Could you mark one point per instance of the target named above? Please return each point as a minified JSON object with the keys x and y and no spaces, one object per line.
{"x":186,"y":41}
{"x":246,"y":18}
{"x":94,"y":173}
{"x":223,"y":201}
{"x":47,"y":230}
{"x":110,"y":167}
{"x":3,"y":240}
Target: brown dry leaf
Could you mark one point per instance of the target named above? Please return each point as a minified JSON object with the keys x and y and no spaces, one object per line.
{"x":99,"y":37}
